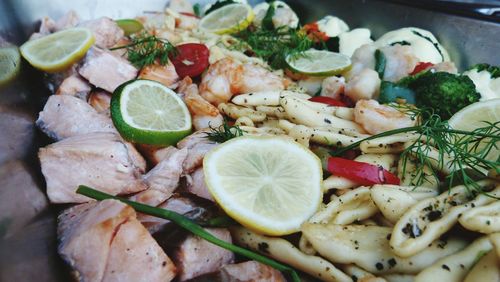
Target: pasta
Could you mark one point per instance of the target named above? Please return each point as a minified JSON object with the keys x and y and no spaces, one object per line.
{"x":352,"y":206}
{"x":368,"y":247}
{"x":393,"y":201}
{"x":427,"y":220}
{"x":454,"y":268}
{"x":484,"y":219}
{"x":284,"y":251}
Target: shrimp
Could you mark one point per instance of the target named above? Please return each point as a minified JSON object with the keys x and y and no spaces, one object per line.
{"x":376,"y":118}
{"x":365,"y":85}
{"x":165,"y":74}
{"x":227,"y":77}
{"x":203,"y":113}
{"x":400,"y":62}
{"x":333,"y":87}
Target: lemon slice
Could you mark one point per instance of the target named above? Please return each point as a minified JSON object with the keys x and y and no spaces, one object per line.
{"x":228,"y":19}
{"x":474,"y":116}
{"x":10,"y":64}
{"x":269,"y":184}
{"x":58,"y":51}
{"x":130,"y":26}
{"x":319,"y":63}
{"x":147,"y":112}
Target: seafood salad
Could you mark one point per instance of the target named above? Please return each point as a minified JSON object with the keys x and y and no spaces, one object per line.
{"x":228,"y":142}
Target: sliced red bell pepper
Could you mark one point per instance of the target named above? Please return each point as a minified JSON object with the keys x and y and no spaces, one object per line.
{"x":328,"y":101}
{"x":421,"y":67}
{"x":362,"y":173}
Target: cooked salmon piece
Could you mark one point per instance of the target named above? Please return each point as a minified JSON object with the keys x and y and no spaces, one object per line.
{"x":106,"y":70}
{"x":106,"y":32}
{"x":100,"y":100}
{"x":66,"y":116}
{"x":104,"y":241}
{"x":164,"y":74}
{"x":198,"y":145}
{"x":196,"y":257}
{"x":163,"y":179}
{"x":181,"y":205}
{"x":75,"y":85}
{"x":196,"y":185}
{"x":152,"y":153}
{"x":250,"y":271}
{"x":100,"y":160}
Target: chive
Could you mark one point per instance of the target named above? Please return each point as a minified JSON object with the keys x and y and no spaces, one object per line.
{"x":190,"y":226}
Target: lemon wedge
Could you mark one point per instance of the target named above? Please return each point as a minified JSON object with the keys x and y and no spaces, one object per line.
{"x":269,"y":184}
{"x":58,"y":51}
{"x":231,"y":18}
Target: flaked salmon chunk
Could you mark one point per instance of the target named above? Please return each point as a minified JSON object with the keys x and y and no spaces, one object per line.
{"x":163,"y":179}
{"x":104,"y":241}
{"x":250,"y":271}
{"x":106,"y":70}
{"x":196,"y":256}
{"x":106,"y":32}
{"x":100,"y":160}
{"x":66,"y":116}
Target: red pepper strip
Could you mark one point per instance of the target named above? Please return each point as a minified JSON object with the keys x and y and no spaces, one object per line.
{"x":313,"y":32}
{"x":189,"y":14}
{"x":328,"y":101}
{"x":362,"y":173}
{"x":421,"y":67}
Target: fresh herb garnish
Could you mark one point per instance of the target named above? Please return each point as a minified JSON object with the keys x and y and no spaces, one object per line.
{"x":224,"y":133}
{"x":197,"y":10}
{"x":146,"y":49}
{"x":190,"y":226}
{"x":267,"y":21}
{"x":273,"y":45}
{"x":462,"y":153}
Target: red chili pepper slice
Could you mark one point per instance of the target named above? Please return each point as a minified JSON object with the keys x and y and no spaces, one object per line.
{"x":191,"y":59}
{"x":421,"y":67}
{"x":362,"y":173}
{"x":189,"y":14}
{"x":328,"y":100}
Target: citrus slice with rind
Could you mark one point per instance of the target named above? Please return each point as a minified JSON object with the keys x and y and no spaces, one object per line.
{"x":58,"y":51}
{"x":318,"y":63}
{"x":269,"y":184}
{"x":231,"y":18}
{"x":147,"y":112}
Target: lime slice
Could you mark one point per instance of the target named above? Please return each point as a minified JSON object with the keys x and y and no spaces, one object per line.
{"x":319,"y":63}
{"x":474,"y":116}
{"x":10,"y":64}
{"x":58,"y":51}
{"x":269,"y":184}
{"x":228,"y":19}
{"x":130,"y":26}
{"x":147,"y":112}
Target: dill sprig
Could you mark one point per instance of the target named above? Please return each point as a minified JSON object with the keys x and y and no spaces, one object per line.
{"x":466,"y":155}
{"x":224,"y":132}
{"x":273,"y":45}
{"x":146,"y":49}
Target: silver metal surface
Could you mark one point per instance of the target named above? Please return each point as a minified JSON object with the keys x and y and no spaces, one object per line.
{"x":27,"y":222}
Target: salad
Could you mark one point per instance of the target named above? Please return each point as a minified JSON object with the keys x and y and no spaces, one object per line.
{"x":234,"y":143}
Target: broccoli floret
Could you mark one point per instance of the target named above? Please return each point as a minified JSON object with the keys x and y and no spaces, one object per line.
{"x":487,"y":80}
{"x":493,"y":70}
{"x":444,"y":92}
